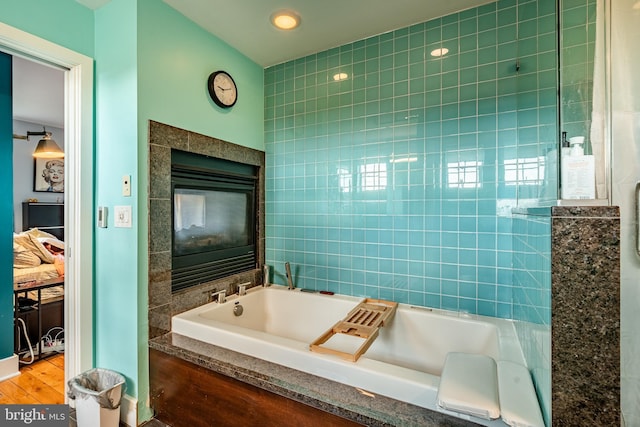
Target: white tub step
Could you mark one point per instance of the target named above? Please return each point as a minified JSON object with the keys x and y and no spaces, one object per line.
{"x":469,"y":385}
{"x":518,"y":401}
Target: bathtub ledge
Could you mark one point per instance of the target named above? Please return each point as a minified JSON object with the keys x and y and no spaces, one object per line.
{"x":327,"y":395}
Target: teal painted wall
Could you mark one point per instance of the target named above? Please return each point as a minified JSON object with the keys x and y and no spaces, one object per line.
{"x":434,"y":231}
{"x":116,"y":329}
{"x":64,"y":22}
{"x":154,"y":67}
{"x":175,"y":58}
{"x":6,"y":209}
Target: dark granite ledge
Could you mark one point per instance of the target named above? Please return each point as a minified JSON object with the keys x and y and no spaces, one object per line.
{"x":600,"y":212}
{"x":329,"y":396}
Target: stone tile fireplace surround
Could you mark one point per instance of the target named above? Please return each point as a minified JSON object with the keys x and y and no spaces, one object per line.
{"x":162,"y":303}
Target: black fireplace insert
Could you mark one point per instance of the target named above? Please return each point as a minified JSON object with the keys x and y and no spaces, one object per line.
{"x":213,"y":218}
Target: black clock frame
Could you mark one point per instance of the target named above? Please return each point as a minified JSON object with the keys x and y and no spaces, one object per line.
{"x":212,"y":92}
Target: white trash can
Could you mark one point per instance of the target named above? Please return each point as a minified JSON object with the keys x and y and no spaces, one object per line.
{"x":98,"y":393}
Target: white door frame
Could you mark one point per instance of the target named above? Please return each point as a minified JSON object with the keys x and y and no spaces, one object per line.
{"x":78,"y":196}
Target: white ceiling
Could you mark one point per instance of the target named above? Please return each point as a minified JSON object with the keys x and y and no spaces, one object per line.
{"x":38,"y":93}
{"x":244,"y":24}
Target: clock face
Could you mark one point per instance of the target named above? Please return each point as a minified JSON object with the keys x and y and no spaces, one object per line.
{"x":222,"y":89}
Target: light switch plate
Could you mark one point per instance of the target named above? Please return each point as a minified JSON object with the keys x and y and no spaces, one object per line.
{"x":126,"y":185}
{"x":122,"y":216}
{"x":102,"y":216}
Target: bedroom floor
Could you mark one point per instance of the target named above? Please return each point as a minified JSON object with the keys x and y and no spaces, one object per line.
{"x":41,"y":382}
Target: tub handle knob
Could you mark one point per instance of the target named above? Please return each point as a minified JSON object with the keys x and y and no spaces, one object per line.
{"x":242,"y":288}
{"x":220,"y":297}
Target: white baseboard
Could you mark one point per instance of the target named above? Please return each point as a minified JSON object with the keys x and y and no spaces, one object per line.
{"x":129,"y":410}
{"x":9,"y":367}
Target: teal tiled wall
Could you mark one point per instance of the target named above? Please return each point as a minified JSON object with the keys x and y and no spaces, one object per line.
{"x":532,"y":267}
{"x":532,"y":297}
{"x":577,"y":44}
{"x":397,"y":181}
{"x":532,"y":232}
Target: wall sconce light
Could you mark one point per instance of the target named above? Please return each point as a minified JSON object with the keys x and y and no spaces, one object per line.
{"x":47,"y":148}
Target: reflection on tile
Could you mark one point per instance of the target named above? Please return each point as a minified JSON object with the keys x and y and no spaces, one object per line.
{"x":401,"y":154}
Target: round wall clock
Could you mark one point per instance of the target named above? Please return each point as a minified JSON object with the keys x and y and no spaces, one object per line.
{"x":222,"y":89}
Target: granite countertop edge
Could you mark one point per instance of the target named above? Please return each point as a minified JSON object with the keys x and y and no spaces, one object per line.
{"x":568,"y":211}
{"x":330,"y":396}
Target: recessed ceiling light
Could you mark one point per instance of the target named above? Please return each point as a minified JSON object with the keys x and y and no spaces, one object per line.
{"x":439,"y":52}
{"x":340,"y":76}
{"x":285,"y":19}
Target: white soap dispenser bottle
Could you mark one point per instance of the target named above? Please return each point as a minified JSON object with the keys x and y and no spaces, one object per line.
{"x":576,"y":145}
{"x":578,"y":172}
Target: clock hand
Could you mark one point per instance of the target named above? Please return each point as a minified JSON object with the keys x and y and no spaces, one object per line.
{"x":221,"y":88}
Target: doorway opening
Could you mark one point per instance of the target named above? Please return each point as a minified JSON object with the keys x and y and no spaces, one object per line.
{"x":78,"y":192}
{"x":38,"y":212}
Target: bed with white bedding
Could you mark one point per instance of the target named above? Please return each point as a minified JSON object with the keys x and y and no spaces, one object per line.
{"x":38,"y":285}
{"x":38,"y":257}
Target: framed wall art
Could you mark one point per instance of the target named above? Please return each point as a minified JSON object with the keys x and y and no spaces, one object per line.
{"x":48,"y":175}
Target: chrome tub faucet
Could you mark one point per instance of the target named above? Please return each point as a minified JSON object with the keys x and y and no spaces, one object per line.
{"x":242,"y":288}
{"x":287,"y":267}
{"x":220,"y":297}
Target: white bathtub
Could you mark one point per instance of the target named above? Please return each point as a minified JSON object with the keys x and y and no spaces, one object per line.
{"x":404,"y":362}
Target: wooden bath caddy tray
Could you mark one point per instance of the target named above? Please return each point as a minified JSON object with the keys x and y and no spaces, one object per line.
{"x":363,"y":321}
